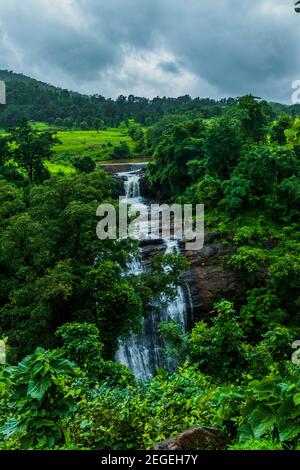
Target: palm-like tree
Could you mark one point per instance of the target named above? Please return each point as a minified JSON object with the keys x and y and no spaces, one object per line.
{"x":297,"y":9}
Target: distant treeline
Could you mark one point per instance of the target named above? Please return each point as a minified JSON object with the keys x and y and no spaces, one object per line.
{"x":39,"y":101}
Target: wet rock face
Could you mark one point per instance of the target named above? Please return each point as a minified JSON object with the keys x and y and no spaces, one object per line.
{"x":144,"y":186}
{"x":196,"y":438}
{"x":211,"y":278}
{"x":150,"y":248}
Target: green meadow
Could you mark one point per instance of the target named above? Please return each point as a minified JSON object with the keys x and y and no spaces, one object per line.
{"x":97,"y":145}
{"x":59,"y":168}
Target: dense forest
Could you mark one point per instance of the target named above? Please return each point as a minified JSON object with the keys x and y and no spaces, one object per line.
{"x":66,"y":298}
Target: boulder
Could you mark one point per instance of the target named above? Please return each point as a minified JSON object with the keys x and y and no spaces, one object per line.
{"x":195,"y":438}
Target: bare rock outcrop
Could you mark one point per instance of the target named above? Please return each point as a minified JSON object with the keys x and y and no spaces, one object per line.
{"x":211,"y":278}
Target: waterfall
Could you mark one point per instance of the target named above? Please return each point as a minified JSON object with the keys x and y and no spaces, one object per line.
{"x":143,"y":353}
{"x":132,"y":186}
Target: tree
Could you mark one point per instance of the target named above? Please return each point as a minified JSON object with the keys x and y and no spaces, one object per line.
{"x":222,"y":148}
{"x":217,"y":349}
{"x":121,"y":151}
{"x":30,"y":148}
{"x":279,"y":127}
{"x":118,"y":306}
{"x":251,"y":116}
{"x":255,"y":180}
{"x":81,"y":344}
{"x":297,"y":9}
{"x":98,"y":124}
{"x":46,"y":248}
{"x":84,"y":126}
{"x":169,"y":173}
{"x":84,"y":164}
{"x":293,"y":135}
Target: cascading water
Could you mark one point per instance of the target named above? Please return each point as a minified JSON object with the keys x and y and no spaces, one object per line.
{"x":132,"y":186}
{"x":143,"y":353}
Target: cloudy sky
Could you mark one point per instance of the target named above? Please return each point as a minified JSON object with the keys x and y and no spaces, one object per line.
{"x":204,"y":48}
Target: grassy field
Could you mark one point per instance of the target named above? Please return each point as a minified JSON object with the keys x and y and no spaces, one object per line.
{"x":58,"y":168}
{"x":98,"y":145}
{"x":44,"y":126}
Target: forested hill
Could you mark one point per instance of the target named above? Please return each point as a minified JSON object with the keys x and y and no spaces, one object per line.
{"x":39,"y":101}
{"x":9,"y":76}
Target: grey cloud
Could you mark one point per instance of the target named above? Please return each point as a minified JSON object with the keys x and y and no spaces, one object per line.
{"x":225,"y":47}
{"x":169,"y":67}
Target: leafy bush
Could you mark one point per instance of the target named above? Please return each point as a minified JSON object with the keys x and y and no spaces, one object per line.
{"x":38,"y":399}
{"x":249,"y":262}
{"x":257,"y":444}
{"x":136,"y":418}
{"x":261,"y":312}
{"x":84,"y":164}
{"x":218,"y":349}
{"x":272,"y":409}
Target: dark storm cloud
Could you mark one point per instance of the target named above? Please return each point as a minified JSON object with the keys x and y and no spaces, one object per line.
{"x":169,"y":67}
{"x":152,"y":47}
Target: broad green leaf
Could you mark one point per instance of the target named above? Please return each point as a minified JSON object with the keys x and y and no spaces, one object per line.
{"x":296,"y":399}
{"x":261,"y":420}
{"x":38,"y":389}
{"x":245,"y":433}
{"x":288,"y":430}
{"x":11,"y":427}
{"x":37,"y":368}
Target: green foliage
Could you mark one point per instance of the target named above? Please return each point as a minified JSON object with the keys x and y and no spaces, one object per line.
{"x":236,"y":190}
{"x":218,"y":349}
{"x":28,"y":149}
{"x":274,"y":348}
{"x":251,"y":116}
{"x":84,"y":164}
{"x":257,"y":445}
{"x":272,"y":409}
{"x":47,"y":249}
{"x":176,"y":340}
{"x":206,"y":191}
{"x":250,"y":234}
{"x":144,"y":415}
{"x":222,"y":148}
{"x":255,"y":180}
{"x":39,"y":398}
{"x":121,"y":151}
{"x":118,"y":306}
{"x":81,"y":344}
{"x":285,"y":279}
{"x":249,"y":262}
{"x":278,"y":129}
{"x":293,"y":134}
{"x":262,"y":311}
{"x":169,"y":173}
